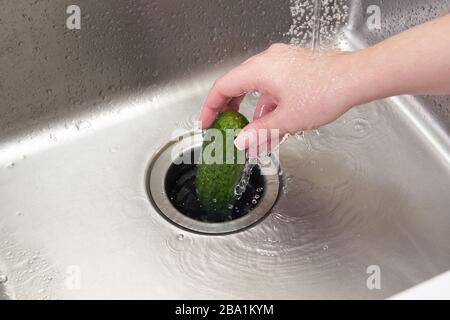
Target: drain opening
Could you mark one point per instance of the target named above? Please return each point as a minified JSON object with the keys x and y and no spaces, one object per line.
{"x":171,"y":188}
{"x":180,"y":188}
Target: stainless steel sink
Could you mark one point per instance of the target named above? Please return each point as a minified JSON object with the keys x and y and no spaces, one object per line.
{"x":84,"y":111}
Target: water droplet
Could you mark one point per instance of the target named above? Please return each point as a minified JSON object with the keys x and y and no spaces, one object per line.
{"x":83,"y":124}
{"x":256,"y":94}
{"x":180,"y":236}
{"x":3,"y":278}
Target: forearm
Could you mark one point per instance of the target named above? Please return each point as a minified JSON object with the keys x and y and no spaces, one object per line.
{"x":414,"y":62}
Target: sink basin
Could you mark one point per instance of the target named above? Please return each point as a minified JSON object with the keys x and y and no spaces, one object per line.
{"x":83,"y":112}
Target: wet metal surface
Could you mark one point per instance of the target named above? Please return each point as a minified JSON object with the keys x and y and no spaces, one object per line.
{"x":83,"y":113}
{"x":172,"y":191}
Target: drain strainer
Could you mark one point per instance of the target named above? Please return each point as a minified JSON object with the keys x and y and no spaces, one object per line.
{"x":171,"y":188}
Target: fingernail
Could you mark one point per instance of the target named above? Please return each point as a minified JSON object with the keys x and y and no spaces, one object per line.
{"x":239,"y":142}
{"x":243,"y":139}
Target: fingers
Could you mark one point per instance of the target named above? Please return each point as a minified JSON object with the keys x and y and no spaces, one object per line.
{"x":229,"y":90}
{"x":235,"y":103}
{"x":264,"y":105}
{"x":265,"y":147}
{"x":261,"y":131}
{"x":208,"y":115}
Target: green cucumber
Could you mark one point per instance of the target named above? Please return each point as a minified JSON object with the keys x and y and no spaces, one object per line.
{"x":216,"y":182}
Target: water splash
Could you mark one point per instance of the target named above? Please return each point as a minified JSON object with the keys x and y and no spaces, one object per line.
{"x":315,"y":23}
{"x":240,"y":188}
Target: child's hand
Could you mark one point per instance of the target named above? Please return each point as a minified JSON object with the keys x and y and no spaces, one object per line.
{"x":300,"y":90}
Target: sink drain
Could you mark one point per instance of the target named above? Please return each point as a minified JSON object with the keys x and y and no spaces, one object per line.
{"x":171,"y":189}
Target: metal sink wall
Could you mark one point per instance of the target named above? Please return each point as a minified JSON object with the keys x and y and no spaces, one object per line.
{"x":82,"y":113}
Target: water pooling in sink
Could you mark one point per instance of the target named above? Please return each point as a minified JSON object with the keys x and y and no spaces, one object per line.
{"x":338,"y":189}
{"x":322,"y":172}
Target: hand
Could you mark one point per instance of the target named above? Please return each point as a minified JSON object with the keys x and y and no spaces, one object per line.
{"x":303,"y":90}
{"x":300,"y":90}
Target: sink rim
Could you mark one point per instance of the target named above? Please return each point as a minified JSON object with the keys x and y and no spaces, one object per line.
{"x":155,"y":185}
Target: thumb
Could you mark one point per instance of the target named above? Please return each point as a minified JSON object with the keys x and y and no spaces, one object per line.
{"x":260,"y":131}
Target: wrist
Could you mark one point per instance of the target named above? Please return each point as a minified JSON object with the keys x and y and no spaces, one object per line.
{"x":347,"y":86}
{"x":374,"y":74}
{"x":367,"y":77}
{"x":358,"y":84}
